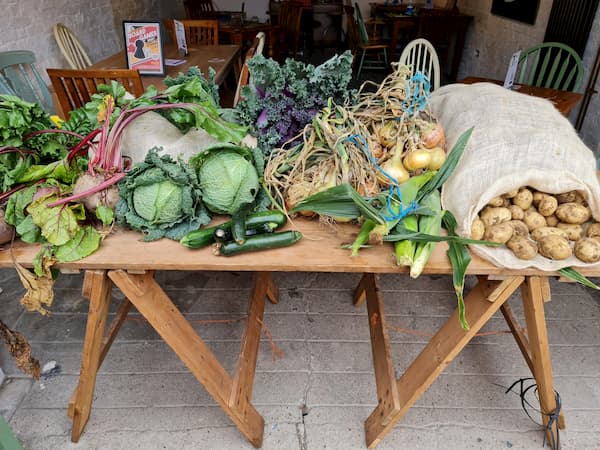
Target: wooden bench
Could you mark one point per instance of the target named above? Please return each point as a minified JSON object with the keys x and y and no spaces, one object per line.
{"x":129,"y":264}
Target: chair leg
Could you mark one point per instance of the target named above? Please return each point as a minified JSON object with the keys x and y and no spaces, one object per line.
{"x":362,"y":59}
{"x":385,"y":58}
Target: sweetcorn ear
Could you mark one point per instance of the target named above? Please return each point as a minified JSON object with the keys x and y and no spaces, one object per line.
{"x":430,"y":225}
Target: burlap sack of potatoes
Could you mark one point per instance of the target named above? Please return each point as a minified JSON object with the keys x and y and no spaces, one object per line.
{"x":518,"y":140}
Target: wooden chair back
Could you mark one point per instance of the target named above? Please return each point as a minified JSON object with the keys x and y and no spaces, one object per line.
{"x":352,"y":29}
{"x":290,"y":17}
{"x":551,"y":65}
{"x":71,"y":48}
{"x":201,"y":32}
{"x":255,"y":49}
{"x":74,"y":88}
{"x":420,"y":56}
{"x":169,"y":26}
{"x":199,"y":9}
{"x":19,"y":76}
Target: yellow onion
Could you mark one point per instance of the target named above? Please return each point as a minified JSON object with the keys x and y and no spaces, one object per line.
{"x":394,"y":168}
{"x":438,"y":157}
{"x":417,"y":159}
{"x":432,"y":136}
{"x":388,"y":134}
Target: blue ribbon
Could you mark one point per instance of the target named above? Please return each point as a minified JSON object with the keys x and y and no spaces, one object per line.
{"x":418,"y":90}
{"x":361,"y":143}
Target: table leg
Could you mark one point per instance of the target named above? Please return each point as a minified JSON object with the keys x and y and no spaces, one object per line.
{"x":99,"y":288}
{"x":481,"y":303}
{"x":532,"y":294}
{"x":158,"y":309}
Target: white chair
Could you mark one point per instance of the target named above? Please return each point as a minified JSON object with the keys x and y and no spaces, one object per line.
{"x":256,"y":49}
{"x":420,"y":56}
{"x":71,"y":48}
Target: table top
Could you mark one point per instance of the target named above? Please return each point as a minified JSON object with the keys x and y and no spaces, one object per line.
{"x":564,"y":101}
{"x":219,"y":57}
{"x":318,"y":251}
{"x":237,"y":27}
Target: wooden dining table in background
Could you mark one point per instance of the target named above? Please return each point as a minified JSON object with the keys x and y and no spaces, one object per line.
{"x":564,"y":101}
{"x":238,"y":33}
{"x":222,"y":58}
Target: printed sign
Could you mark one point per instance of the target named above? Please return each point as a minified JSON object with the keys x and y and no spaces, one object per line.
{"x":180,"y":34}
{"x":512,"y":70}
{"x":143,"y":46}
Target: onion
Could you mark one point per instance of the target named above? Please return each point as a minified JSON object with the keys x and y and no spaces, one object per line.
{"x":438,"y":157}
{"x":395,"y":169}
{"x":417,"y":159}
{"x":432,"y":135}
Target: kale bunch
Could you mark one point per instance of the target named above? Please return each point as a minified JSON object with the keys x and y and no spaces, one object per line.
{"x":283,"y":99}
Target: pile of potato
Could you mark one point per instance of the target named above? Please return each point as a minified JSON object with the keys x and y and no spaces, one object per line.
{"x":529,"y":222}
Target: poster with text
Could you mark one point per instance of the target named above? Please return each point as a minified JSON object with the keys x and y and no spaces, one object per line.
{"x":143,"y":46}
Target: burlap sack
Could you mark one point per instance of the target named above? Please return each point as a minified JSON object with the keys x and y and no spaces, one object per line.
{"x":518,"y":140}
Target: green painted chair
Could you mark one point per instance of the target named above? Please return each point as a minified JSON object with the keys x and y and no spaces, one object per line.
{"x":360,"y":41}
{"x":8,"y":441}
{"x":551,"y":65}
{"x":18,"y":76}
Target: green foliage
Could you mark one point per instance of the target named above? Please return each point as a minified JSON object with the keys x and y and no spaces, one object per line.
{"x":161,"y":198}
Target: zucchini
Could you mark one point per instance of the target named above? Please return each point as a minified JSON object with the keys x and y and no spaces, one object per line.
{"x":223,"y":235}
{"x":238,"y":223}
{"x":205,"y":236}
{"x":199,"y":238}
{"x":261,"y":242}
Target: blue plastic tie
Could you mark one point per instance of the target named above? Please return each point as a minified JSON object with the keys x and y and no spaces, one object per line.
{"x":418,"y":90}
{"x":361,"y":142}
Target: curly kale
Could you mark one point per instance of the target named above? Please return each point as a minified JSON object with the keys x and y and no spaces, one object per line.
{"x":283,"y":99}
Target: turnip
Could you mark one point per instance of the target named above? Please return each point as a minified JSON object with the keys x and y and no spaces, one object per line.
{"x":86,"y":183}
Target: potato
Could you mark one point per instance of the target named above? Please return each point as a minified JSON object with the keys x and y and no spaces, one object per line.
{"x":501,"y":233}
{"x":523,"y":199}
{"x":522,"y":247}
{"x":477,"y":229}
{"x":588,"y":250}
{"x":506,"y":202}
{"x":572,"y":213}
{"x":516,"y":212}
{"x":519,"y":228}
{"x":574,"y":232}
{"x":496,"y":201}
{"x":554,"y":247}
{"x":541,"y":232}
{"x":537,"y":197}
{"x":566,"y":197}
{"x":547,"y":205}
{"x":552,"y":220}
{"x":511,"y":194}
{"x":492,"y":216}
{"x":593,"y":230}
{"x":579,"y":198}
{"x":534,"y":220}
{"x":531,"y":209}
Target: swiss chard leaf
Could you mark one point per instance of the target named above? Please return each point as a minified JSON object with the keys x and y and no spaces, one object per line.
{"x":85,"y":242}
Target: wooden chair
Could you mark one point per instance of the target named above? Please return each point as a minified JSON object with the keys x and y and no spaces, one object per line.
{"x":289,"y":20}
{"x":420,"y":56}
{"x":71,"y":48}
{"x":199,"y":9}
{"x":255,"y":49}
{"x":201,"y":32}
{"x":74,"y":88}
{"x":169,"y":26}
{"x":19,"y":76}
{"x":551,"y":65}
{"x":358,"y":39}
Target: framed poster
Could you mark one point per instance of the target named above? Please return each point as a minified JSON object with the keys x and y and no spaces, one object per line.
{"x":521,"y":10}
{"x":143,"y":47}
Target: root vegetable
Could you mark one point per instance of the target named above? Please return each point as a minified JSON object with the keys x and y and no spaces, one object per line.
{"x":542,"y":232}
{"x":516,"y":212}
{"x":492,"y":216}
{"x":579,"y":198}
{"x":534,"y":220}
{"x":574,"y":232}
{"x":537,"y":198}
{"x":432,"y":136}
{"x":547,"y":205}
{"x":496,"y":201}
{"x":552,"y":220}
{"x":511,"y":194}
{"x":554,"y":247}
{"x":417,"y":159}
{"x":395,"y":169}
{"x":519,"y":228}
{"x":477,"y":229}
{"x":86,"y":182}
{"x":522,"y":247}
{"x":438,"y":157}
{"x":572,"y":212}
{"x":593,"y":230}
{"x":566,"y":197}
{"x":588,"y":250}
{"x":6,"y":230}
{"x":523,"y":199}
{"x":500,"y":233}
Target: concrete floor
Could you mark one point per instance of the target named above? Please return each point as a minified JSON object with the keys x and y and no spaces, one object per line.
{"x":323,"y":389}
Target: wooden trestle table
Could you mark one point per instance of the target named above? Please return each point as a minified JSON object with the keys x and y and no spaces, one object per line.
{"x":128,"y":263}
